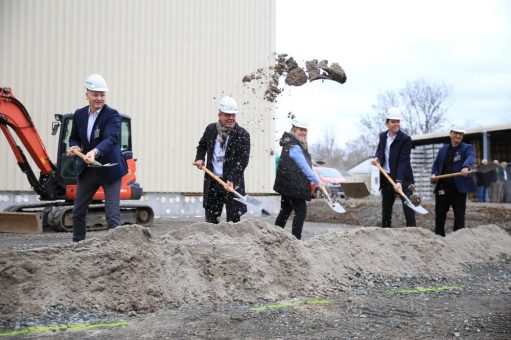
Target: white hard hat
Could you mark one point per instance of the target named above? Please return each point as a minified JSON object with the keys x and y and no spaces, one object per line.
{"x":227,"y":105}
{"x":95,"y":82}
{"x":458,"y":130}
{"x":300,"y":124}
{"x":393,"y":113}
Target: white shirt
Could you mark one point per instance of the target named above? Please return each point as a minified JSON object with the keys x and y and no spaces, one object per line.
{"x":219,"y":156}
{"x":90,"y":123}
{"x":390,"y":139}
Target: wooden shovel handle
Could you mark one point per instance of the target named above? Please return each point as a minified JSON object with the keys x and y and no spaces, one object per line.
{"x":325,"y":192}
{"x":454,"y":174}
{"x":82,"y":156}
{"x":390,"y":180}
{"x":216,"y":178}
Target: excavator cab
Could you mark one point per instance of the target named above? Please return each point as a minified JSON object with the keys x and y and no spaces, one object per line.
{"x":67,"y":166}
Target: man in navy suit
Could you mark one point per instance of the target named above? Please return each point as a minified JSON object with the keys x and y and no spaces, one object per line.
{"x":227,"y":146}
{"x":453,"y":157}
{"x":393,"y":153}
{"x":95,"y":133}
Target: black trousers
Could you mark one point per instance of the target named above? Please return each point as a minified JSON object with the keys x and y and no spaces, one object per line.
{"x":451,"y":197}
{"x":217,"y":197}
{"x":87,"y":185}
{"x":287,"y":205}
{"x":388,"y":198}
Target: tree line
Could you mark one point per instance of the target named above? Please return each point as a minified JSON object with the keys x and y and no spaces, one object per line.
{"x":423,"y":106}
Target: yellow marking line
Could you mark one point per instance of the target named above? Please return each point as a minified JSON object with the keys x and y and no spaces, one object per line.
{"x":71,"y":327}
{"x":289,"y":304}
{"x":427,"y":290}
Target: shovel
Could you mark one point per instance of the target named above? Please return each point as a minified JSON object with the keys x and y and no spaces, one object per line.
{"x":247,"y":200}
{"x":480,"y":169}
{"x":418,"y":208}
{"x":355,"y":189}
{"x":336,"y":206}
{"x":91,"y":162}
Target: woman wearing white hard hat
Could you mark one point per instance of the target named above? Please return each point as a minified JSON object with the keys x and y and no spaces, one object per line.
{"x":294,"y":177}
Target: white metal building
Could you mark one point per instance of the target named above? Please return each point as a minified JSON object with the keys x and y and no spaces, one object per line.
{"x":167,"y":62}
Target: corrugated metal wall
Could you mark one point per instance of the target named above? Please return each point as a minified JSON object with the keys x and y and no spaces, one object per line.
{"x":167,"y":62}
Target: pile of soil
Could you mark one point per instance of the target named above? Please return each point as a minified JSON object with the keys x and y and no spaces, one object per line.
{"x":367,"y":212}
{"x":130,"y":270}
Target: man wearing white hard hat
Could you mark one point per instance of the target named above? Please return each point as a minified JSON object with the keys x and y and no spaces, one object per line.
{"x":452,"y":192}
{"x":227,"y":147}
{"x":95,"y":133}
{"x":393,"y":153}
{"x":294,"y":177}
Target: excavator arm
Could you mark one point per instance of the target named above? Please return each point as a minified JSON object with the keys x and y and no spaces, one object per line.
{"x":13,"y":115}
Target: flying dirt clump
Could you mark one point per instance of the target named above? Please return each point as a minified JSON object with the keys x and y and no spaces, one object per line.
{"x":295,"y":75}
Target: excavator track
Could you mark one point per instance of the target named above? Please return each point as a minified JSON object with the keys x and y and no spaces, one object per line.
{"x":59,"y":217}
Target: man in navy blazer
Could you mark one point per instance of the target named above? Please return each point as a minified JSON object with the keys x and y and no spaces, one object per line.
{"x":393,"y":153}
{"x":95,"y":133}
{"x":453,"y":157}
{"x":227,"y":146}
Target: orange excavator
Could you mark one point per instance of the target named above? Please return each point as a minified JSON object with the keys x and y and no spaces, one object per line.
{"x":56,"y":184}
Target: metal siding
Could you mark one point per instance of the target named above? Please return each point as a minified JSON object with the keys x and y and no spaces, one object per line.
{"x":166,"y":62}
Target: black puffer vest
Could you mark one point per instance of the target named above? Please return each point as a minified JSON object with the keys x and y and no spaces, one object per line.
{"x":290,"y":180}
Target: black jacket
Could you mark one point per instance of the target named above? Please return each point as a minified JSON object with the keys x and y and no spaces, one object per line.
{"x":236,"y":158}
{"x":399,"y":157}
{"x":290,"y":180}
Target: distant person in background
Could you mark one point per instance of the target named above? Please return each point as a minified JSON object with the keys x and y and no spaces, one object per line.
{"x":294,"y":177}
{"x":497,"y":185}
{"x":507,"y":182}
{"x":483,"y":182}
{"x":452,"y":192}
{"x":393,"y":153}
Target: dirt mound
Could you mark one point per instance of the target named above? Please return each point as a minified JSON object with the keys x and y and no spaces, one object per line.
{"x":367,"y":212}
{"x":129,"y":270}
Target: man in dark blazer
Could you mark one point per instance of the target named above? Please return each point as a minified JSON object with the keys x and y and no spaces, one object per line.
{"x":95,"y":133}
{"x":453,"y":157}
{"x":227,"y":146}
{"x":393,"y":153}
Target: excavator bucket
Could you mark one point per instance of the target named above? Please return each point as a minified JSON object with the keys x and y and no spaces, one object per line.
{"x":21,"y":223}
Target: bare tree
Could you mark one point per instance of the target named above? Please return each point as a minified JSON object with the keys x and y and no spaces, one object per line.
{"x":423,"y":106}
{"x":327,"y":150}
{"x":358,"y":150}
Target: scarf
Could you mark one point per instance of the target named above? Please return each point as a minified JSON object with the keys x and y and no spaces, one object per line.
{"x":223,"y":132}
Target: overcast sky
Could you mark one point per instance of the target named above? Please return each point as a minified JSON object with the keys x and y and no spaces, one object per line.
{"x":383,"y":44}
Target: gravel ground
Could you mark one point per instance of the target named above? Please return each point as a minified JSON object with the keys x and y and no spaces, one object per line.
{"x":474,"y":308}
{"x":471,"y":306}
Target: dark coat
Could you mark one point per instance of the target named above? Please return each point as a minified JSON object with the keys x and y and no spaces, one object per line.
{"x":290,"y":180}
{"x":465,"y":152}
{"x":108,"y":127}
{"x":237,"y":155}
{"x":399,"y":157}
